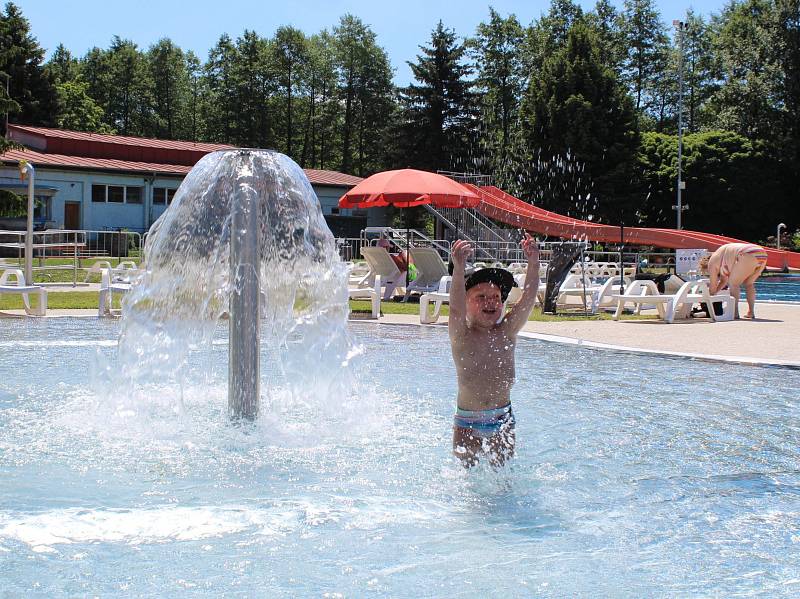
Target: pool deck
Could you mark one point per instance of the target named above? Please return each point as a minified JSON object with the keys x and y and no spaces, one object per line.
{"x":772,"y":339}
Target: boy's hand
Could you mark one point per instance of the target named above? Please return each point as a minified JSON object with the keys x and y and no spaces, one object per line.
{"x":530,"y":247}
{"x":462,"y":249}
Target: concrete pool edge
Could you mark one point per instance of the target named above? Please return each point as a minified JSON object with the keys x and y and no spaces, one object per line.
{"x":407,"y":320}
{"x":413,"y":320}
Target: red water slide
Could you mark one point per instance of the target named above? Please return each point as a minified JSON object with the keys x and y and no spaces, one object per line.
{"x":498,"y":205}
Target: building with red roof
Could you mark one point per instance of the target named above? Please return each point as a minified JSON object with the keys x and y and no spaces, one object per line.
{"x":93,"y":181}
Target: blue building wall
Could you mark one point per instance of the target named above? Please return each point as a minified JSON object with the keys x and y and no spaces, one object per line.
{"x":76,"y":186}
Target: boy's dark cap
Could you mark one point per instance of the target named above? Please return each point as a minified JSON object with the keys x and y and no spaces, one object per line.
{"x":497,"y":276}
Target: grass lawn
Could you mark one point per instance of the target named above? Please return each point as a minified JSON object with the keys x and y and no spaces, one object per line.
{"x":536,"y":315}
{"x":63,"y":274}
{"x":88,"y":300}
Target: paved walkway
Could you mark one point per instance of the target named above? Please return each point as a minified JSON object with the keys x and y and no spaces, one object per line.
{"x":773,"y":338}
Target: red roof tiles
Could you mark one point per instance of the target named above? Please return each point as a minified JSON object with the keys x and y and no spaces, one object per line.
{"x":315,"y":176}
{"x":96,"y":151}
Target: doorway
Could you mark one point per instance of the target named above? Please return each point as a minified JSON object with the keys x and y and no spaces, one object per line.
{"x":72,"y":216}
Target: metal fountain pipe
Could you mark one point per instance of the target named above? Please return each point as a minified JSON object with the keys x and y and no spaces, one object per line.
{"x":245,"y":311}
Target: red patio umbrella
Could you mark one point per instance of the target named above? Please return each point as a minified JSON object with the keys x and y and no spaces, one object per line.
{"x":406,"y":188}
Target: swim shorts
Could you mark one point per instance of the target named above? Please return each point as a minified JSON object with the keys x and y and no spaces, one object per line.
{"x":485,"y":423}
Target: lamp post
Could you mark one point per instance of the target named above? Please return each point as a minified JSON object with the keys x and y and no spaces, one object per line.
{"x":680,"y":26}
{"x":26,"y":170}
{"x":778,"y":235}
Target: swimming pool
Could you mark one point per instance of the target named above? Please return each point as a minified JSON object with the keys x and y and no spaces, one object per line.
{"x":783,"y":288}
{"x":635,"y":476}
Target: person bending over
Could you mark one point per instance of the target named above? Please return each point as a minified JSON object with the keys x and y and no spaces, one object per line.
{"x":734,"y":265}
{"x":483,"y":340}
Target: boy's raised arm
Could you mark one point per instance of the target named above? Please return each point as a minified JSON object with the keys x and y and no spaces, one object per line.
{"x":519,"y":313}
{"x":458,"y":294}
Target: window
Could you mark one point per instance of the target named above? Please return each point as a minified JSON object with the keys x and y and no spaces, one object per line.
{"x":116,"y":193}
{"x":98,"y":193}
{"x":162,"y":196}
{"x":133,"y":195}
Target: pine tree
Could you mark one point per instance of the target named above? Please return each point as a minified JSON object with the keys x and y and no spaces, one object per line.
{"x":21,"y":62}
{"x":129,"y":101}
{"x":648,"y":45}
{"x":170,"y":90}
{"x":62,"y":66}
{"x":698,"y":79}
{"x":439,"y":110}
{"x":580,"y":131}
{"x":290,"y":55}
{"x":496,"y":50}
{"x":218,"y":97}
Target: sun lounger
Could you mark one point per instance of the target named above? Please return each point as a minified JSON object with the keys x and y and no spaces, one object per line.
{"x":24,"y":290}
{"x":430,"y":270}
{"x":442,"y":296}
{"x":670,"y":306}
{"x":381,"y":265}
{"x":108,"y":287}
{"x":373,"y":294}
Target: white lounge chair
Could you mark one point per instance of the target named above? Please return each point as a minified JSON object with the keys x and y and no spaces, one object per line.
{"x":430,"y":270}
{"x":108,"y":287}
{"x":442,"y":296}
{"x":670,"y":306}
{"x":24,"y":290}
{"x":373,"y":294}
{"x":381,"y":265}
{"x":120,"y":271}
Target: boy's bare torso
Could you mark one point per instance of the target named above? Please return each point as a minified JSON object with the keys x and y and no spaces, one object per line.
{"x":484,"y":362}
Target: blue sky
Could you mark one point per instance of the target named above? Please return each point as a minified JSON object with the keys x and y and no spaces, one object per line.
{"x":196,"y":25}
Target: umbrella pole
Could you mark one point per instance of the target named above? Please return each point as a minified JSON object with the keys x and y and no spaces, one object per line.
{"x":408,"y":252}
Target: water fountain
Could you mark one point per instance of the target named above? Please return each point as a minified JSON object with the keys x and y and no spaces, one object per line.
{"x":244,"y":225}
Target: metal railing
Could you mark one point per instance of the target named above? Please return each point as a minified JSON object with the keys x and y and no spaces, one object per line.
{"x":65,"y":250}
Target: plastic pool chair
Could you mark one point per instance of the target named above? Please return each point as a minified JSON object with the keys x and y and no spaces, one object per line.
{"x":645,"y":293}
{"x":108,"y":287}
{"x":430,"y":270}
{"x":24,"y":290}
{"x":373,"y":294}
{"x":442,"y":296}
{"x":381,"y":265}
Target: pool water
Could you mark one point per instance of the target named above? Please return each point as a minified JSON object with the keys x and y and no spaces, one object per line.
{"x":782,"y":288}
{"x":635,"y":476}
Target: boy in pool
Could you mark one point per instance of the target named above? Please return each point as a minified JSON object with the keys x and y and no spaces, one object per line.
{"x":483,"y":340}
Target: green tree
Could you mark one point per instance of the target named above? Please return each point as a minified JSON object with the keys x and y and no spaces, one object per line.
{"x":218,"y":98}
{"x":698,"y":70}
{"x":169,"y":76}
{"x":77,"y":111}
{"x":129,"y":109}
{"x":62,"y":66}
{"x":21,"y":60}
{"x":548,"y":34}
{"x":645,"y":37}
{"x":323,"y":115}
{"x":723,"y":171}
{"x":439,"y":110}
{"x":496,"y":50}
{"x":580,"y":132}
{"x":747,"y":51}
{"x":606,"y":21}
{"x":290,"y":55}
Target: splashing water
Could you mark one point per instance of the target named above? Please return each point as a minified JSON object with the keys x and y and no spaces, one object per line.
{"x":186,"y":288}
